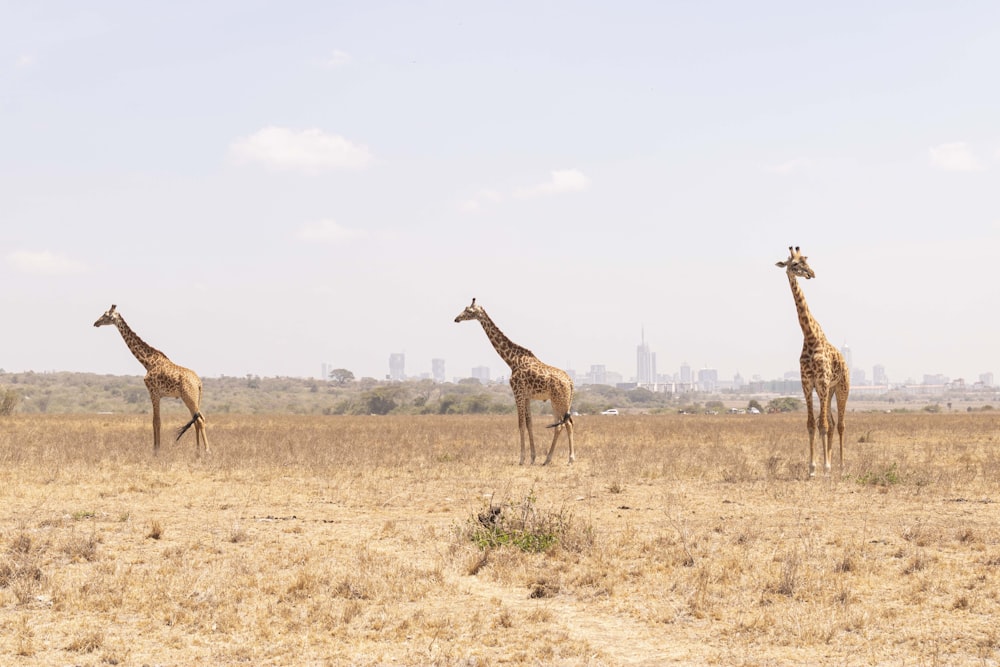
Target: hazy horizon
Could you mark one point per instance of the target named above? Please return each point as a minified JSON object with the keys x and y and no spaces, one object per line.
{"x":263,"y":188}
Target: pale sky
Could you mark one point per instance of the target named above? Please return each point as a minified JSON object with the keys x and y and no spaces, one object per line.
{"x":262,"y":187}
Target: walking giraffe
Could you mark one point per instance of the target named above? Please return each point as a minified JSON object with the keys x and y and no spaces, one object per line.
{"x":529,"y":379}
{"x":822,"y":366}
{"x":163,"y":378}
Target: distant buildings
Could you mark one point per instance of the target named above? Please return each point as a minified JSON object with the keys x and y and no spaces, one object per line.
{"x":397,"y":363}
{"x":437,"y":370}
{"x":706,"y":380}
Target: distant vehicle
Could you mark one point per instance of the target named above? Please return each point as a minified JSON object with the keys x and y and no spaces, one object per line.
{"x":754,"y":411}
{"x":612,"y":411}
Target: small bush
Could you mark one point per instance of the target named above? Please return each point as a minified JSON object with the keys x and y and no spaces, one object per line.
{"x":888,"y":477}
{"x":525,"y":526}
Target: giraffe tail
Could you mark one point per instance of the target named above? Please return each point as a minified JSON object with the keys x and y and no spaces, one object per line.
{"x":183,"y":429}
{"x":567,"y":418}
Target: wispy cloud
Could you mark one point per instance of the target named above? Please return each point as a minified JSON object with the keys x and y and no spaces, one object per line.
{"x":954,"y":156}
{"x":790,"y":166}
{"x":308,"y":150}
{"x":24,"y":61}
{"x":44,"y":263}
{"x":337,"y":59}
{"x":479,"y":201}
{"x":560,"y":181}
{"x":328,"y":231}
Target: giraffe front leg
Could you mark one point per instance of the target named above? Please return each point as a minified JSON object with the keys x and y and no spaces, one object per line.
{"x":521,"y":427}
{"x":825,"y":432}
{"x":811,"y":427}
{"x":156,"y":424}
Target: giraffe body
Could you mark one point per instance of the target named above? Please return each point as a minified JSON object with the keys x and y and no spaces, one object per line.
{"x":530,"y":379}
{"x":164,"y":379}
{"x":822,"y":368}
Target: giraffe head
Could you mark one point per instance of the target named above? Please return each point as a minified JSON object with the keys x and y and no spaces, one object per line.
{"x":108,"y":317}
{"x":797,"y":264}
{"x":472,"y":312}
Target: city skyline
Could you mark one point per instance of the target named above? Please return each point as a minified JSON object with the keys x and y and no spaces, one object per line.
{"x":646,"y":373}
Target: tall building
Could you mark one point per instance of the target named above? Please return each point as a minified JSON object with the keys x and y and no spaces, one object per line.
{"x":397,"y":362}
{"x":437,"y":370}
{"x":598,"y":374}
{"x":685,"y":373}
{"x":708,"y":379}
{"x":986,"y":379}
{"x":645,"y":363}
{"x":848,"y":356}
{"x":879,"y":378}
{"x":481,"y":373}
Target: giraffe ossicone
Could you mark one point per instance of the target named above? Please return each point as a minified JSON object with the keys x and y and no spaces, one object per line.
{"x":530,"y":379}
{"x":163,"y":378}
{"x":822,"y":367}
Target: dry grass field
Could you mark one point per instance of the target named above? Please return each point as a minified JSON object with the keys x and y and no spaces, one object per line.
{"x":371,"y":541}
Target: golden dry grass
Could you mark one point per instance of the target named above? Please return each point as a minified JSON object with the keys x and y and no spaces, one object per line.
{"x":343,"y":540}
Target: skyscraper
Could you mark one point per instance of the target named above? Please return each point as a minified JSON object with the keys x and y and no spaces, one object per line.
{"x":645,"y":363}
{"x":397,"y":361}
{"x":848,"y":356}
{"x":437,"y":370}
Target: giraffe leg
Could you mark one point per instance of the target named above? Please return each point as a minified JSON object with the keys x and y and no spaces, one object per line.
{"x":199,"y":424}
{"x":552,"y":448}
{"x":841,"y":416}
{"x":531,"y":433}
{"x":522,"y":413}
{"x":156,"y":424}
{"x":560,"y":413}
{"x":825,"y":432}
{"x":200,"y":435}
{"x":811,"y":427}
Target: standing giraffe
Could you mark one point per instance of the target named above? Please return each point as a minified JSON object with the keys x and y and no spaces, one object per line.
{"x":529,"y":379}
{"x":822,"y":366}
{"x":163,"y":378}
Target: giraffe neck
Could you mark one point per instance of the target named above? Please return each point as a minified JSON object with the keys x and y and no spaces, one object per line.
{"x":145,"y":353}
{"x":509,"y":351}
{"x":810,"y":327}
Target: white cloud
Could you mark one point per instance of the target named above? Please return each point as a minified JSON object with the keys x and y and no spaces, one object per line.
{"x":43,"y":263}
{"x":954,"y":156}
{"x":561,"y":181}
{"x":479,"y":200}
{"x":23,"y":61}
{"x":309,"y":150}
{"x":337,"y":59}
{"x":328,"y":231}
{"x":796,"y":164}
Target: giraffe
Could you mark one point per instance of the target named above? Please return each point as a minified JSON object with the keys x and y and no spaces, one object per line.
{"x":529,"y":379}
{"x":822,"y":366}
{"x":163,"y":378}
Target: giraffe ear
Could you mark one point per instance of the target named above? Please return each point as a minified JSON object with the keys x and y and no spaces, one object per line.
{"x":781,"y":264}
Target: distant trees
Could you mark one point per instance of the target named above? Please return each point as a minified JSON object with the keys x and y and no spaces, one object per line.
{"x":341,"y":376}
{"x":8,"y":401}
{"x":784,"y":404}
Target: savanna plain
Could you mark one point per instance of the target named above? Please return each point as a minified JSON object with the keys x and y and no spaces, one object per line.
{"x":418,"y":540}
